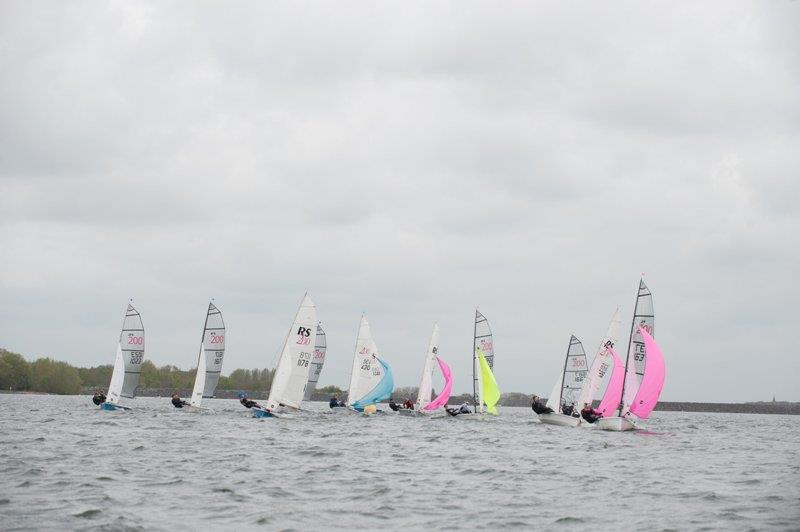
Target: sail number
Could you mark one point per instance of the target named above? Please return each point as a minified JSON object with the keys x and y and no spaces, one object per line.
{"x":136,"y":357}
{"x":319,"y":353}
{"x":135,"y":340}
{"x":304,"y":359}
{"x":218,"y":357}
{"x":578,"y":362}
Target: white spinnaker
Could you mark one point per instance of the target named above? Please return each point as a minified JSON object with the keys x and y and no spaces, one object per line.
{"x":367,"y":371}
{"x":482,"y":338}
{"x":317,"y":361}
{"x":426,"y":382}
{"x":599,"y":373}
{"x":130,"y":352}
{"x":291,"y":375}
{"x":212,"y":352}
{"x":643,"y":315}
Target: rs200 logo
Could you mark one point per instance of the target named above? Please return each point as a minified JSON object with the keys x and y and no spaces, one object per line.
{"x":304,"y":336}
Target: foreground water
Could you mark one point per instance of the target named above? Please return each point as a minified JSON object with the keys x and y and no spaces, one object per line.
{"x":66,"y":464}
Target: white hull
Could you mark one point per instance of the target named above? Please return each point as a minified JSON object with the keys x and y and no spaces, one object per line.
{"x":408,"y":413}
{"x":559,"y":419}
{"x":615,"y":424}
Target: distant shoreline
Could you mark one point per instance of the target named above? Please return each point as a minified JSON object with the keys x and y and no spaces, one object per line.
{"x":760,"y":407}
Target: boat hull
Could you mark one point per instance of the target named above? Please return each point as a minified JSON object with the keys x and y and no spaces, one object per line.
{"x":408,"y":412}
{"x":561,"y":420}
{"x":111,"y":407}
{"x":614,"y":424}
{"x":261,"y":412}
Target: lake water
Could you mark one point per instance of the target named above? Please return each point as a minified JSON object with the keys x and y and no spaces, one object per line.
{"x":66,"y":464}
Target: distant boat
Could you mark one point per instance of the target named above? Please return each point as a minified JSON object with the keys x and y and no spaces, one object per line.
{"x":486,"y":394}
{"x":128,"y":362}
{"x":209,"y":360}
{"x":320,"y":346}
{"x":371,"y":380}
{"x":567,"y":387}
{"x":644,"y":375}
{"x":424,"y":404}
{"x":291,"y":374}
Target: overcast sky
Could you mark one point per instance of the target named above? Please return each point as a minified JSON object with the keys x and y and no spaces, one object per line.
{"x":411,"y":161}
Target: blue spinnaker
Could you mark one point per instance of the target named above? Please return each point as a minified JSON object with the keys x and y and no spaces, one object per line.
{"x":383,"y":390}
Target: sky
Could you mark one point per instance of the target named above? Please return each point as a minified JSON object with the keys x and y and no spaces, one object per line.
{"x":411,"y":161}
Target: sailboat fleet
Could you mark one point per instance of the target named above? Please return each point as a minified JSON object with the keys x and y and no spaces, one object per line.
{"x":609,"y":394}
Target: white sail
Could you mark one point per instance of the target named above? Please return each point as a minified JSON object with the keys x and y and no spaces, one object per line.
{"x":318,"y":360}
{"x":128,"y":361}
{"x":209,"y":361}
{"x":644,"y":316}
{"x":484,"y":340}
{"x":291,"y":375}
{"x":599,"y":374}
{"x":426,"y":382}
{"x":367,"y":371}
{"x":555,"y":394}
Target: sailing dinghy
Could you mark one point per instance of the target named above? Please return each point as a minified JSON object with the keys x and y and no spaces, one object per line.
{"x":371,"y":380}
{"x":291,"y":374}
{"x":209,"y":360}
{"x":128,"y":362}
{"x":643,"y":378}
{"x":485,"y":392}
{"x":425,"y":405}
{"x":320,"y":347}
{"x":567,"y":387}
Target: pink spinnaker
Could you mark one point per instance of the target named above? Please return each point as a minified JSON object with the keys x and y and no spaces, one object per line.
{"x":442,"y":398}
{"x":613,"y":393}
{"x":652,"y":380}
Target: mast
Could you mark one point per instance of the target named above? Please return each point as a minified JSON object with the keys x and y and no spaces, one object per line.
{"x":474,"y":363}
{"x":630,"y":341}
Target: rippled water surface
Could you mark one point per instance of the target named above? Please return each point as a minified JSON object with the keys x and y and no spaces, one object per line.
{"x":66,"y":464}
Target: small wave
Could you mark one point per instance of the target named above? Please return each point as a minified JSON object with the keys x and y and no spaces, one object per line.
{"x":40,"y":438}
{"x":89,"y":514}
{"x":48,"y":420}
{"x":4,"y":501}
{"x":568,"y":520}
{"x":138,"y":448}
{"x":104,"y":479}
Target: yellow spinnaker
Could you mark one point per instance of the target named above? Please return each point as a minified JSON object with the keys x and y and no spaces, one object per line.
{"x":491,"y":393}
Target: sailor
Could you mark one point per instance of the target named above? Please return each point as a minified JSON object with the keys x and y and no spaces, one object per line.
{"x":463,"y":409}
{"x":334,"y":402}
{"x":568,"y":409}
{"x":590,"y":414}
{"x":247,"y":403}
{"x":408,"y":405}
{"x":540,"y":408}
{"x":99,"y":397}
{"x":394,"y":406}
{"x":177,"y":402}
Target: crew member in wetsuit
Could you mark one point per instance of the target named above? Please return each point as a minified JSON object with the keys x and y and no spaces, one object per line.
{"x":394,"y":406}
{"x":408,"y":405}
{"x":463,"y":409}
{"x":335,"y":403}
{"x":568,"y":409}
{"x":590,"y":414}
{"x":99,"y":398}
{"x":540,"y":408}
{"x":247,"y":403}
{"x":177,"y":402}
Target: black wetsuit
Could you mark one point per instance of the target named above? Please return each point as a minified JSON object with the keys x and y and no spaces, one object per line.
{"x":177,"y":402}
{"x":99,"y":399}
{"x":334,"y":403}
{"x":393,"y":406}
{"x":590,"y":414}
{"x":247,"y":403}
{"x":567,"y":410}
{"x":539,"y":408}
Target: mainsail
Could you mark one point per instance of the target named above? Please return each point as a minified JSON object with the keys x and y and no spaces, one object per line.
{"x":426,"y":381}
{"x":371,"y":379}
{"x":483,"y":340}
{"x":291,"y":375}
{"x":209,"y":361}
{"x":644,"y":317}
{"x":599,"y":371}
{"x":320,"y":347}
{"x":130,"y":354}
{"x":570,"y":382}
